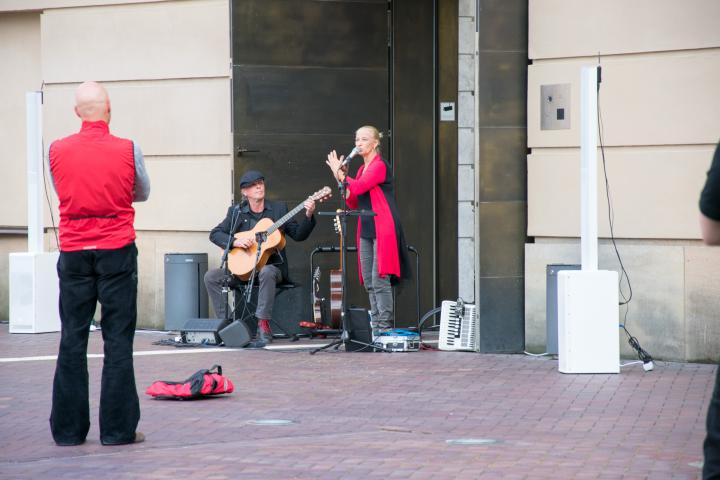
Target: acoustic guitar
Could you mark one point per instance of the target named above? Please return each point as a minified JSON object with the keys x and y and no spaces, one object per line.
{"x":336,"y":287}
{"x":241,"y":261}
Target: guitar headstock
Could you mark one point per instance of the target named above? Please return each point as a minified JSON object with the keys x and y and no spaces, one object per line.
{"x":322,"y":194}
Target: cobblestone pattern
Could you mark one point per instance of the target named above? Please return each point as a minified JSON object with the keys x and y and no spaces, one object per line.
{"x":365,"y":416}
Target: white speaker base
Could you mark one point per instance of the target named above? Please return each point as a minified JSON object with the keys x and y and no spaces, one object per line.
{"x":588,"y":322}
{"x":34,"y":293}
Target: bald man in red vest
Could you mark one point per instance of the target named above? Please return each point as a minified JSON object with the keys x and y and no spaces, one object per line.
{"x":97,"y":177}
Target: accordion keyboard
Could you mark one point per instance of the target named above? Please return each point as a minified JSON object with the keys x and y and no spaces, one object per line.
{"x":459,"y":327}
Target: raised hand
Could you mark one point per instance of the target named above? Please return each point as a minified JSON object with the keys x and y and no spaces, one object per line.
{"x":334,"y":163}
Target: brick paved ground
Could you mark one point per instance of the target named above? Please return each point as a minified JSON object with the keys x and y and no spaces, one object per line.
{"x":360,"y":415}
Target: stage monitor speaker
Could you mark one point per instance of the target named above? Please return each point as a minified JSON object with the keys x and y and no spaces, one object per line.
{"x":289,"y":310}
{"x":358,"y":328}
{"x":235,"y":335}
{"x":202,"y":331}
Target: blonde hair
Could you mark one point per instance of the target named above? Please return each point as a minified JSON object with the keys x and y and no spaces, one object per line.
{"x":377,"y":135}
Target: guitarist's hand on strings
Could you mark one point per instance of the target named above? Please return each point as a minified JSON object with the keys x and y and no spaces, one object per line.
{"x":244,"y":242}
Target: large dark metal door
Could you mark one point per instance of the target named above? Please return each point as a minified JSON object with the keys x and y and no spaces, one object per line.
{"x":306,"y":75}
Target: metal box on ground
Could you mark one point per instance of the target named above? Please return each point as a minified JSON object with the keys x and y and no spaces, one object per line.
{"x":185,"y":293}
{"x":551,"y":305}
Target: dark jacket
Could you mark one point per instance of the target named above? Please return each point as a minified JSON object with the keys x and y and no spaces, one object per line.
{"x":298,"y":231}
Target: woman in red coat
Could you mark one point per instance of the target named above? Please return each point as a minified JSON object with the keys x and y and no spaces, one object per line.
{"x":382,"y":252}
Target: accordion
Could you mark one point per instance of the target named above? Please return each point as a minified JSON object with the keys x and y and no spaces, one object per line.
{"x":459,"y":327}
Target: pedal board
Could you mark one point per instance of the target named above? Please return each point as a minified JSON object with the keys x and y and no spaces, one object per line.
{"x":398,"y":340}
{"x":205,"y":338}
{"x":202,"y":331}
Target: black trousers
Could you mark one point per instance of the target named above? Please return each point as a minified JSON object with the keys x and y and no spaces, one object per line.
{"x":86,"y":277}
{"x":711,"y":447}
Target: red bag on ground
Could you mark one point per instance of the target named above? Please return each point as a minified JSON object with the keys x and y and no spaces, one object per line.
{"x":202,"y":383}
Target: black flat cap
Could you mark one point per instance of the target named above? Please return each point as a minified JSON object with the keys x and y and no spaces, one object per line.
{"x":250,"y":177}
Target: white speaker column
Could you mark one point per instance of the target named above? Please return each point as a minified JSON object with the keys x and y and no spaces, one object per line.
{"x":34,"y":286}
{"x":588,"y":312}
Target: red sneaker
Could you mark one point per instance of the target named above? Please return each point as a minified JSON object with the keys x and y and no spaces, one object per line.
{"x":264,"y":332}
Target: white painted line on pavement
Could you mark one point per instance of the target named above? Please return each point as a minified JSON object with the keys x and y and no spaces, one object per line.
{"x":297,"y":346}
{"x":136,"y":354}
{"x":167,"y":352}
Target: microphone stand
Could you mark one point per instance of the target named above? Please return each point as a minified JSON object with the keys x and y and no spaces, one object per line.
{"x":227,"y":276}
{"x":345,"y":336}
{"x":260,"y":237}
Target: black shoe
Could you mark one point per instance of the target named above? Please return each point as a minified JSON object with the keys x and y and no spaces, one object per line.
{"x":139,"y":438}
{"x":265,"y":336}
{"x":260,"y":340}
{"x":69,"y":444}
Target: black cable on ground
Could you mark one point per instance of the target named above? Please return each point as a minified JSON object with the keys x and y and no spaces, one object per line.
{"x":643,"y":355}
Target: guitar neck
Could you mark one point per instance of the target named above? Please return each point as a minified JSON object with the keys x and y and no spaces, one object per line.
{"x":285,"y":218}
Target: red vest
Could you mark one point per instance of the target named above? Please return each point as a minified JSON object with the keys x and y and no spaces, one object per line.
{"x":94,"y":175}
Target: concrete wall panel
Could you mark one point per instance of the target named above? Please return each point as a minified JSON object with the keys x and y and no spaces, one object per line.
{"x":171,"y":117}
{"x":576,"y":28}
{"x":188,"y":193}
{"x":37,"y":5}
{"x":663,"y":99}
{"x":186,"y":39}
{"x":20,"y":60}
{"x":654,"y":192}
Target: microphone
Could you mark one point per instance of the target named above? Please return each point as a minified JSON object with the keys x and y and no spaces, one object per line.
{"x":350,"y":155}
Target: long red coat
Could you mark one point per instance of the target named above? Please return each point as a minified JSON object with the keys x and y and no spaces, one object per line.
{"x":391,"y":249}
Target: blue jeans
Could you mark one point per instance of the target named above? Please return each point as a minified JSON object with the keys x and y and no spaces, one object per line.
{"x":86,"y":277}
{"x":379,"y":289}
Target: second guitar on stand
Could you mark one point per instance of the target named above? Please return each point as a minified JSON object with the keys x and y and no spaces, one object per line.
{"x":336,"y":281}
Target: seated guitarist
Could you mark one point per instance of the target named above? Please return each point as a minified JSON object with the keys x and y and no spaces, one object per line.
{"x":253,"y":208}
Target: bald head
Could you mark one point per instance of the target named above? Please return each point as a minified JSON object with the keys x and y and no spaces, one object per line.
{"x":92,"y":102}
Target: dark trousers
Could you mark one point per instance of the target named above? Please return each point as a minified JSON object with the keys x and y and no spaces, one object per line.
{"x":267,"y":280}
{"x":711,"y":447}
{"x":86,"y":277}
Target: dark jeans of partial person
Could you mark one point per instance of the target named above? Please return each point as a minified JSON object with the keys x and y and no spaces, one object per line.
{"x":86,"y":277}
{"x":711,"y":447}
